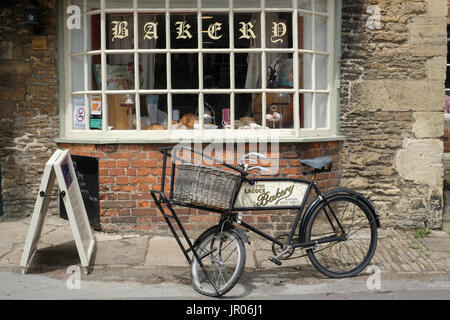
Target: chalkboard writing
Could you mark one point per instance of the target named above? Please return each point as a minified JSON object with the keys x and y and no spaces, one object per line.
{"x":86,"y":169}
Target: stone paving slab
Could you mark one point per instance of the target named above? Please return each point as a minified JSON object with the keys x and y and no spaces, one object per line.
{"x":398,"y":251}
{"x":165,"y":251}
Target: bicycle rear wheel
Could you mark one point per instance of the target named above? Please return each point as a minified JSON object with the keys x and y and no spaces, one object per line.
{"x":345,"y":258}
{"x":223,"y":256}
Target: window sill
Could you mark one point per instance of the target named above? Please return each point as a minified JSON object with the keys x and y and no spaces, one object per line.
{"x":203,"y":140}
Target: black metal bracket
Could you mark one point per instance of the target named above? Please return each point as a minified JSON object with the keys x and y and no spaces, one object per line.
{"x":62,"y":194}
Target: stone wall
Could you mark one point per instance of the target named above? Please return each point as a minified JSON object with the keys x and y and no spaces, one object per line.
{"x":29,"y":104}
{"x":392,"y":94}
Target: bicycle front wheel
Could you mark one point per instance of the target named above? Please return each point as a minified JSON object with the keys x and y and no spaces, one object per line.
{"x":223,"y":257}
{"x":347,"y":217}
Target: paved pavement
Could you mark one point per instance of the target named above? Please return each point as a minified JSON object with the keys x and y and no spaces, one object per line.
{"x":157,"y":261}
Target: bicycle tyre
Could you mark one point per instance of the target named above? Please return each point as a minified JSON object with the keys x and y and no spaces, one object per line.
{"x":337,"y":263}
{"x":234,"y":250}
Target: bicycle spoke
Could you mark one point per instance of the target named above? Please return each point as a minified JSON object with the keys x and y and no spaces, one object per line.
{"x":349,"y":254}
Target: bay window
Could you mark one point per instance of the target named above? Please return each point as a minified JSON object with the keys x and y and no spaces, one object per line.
{"x":162,"y":70}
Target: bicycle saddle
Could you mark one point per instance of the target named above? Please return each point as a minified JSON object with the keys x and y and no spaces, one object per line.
{"x":317,"y":163}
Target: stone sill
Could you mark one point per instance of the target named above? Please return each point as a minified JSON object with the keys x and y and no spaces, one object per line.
{"x":175,"y":141}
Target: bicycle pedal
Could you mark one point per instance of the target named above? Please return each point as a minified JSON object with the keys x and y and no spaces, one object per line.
{"x":275,"y":260}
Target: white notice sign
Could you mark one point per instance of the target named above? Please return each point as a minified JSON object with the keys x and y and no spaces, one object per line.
{"x":271,"y":194}
{"x":60,"y":167}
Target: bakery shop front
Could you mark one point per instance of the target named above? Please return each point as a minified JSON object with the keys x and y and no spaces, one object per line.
{"x":115,"y":80}
{"x":143,"y":74}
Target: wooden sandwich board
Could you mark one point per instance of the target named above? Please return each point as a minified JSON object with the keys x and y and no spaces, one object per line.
{"x":60,"y":168}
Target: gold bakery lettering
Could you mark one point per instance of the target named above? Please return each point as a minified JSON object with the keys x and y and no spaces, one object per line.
{"x":246,"y":30}
{"x":151,"y":30}
{"x":278,"y":30}
{"x":213,"y":29}
{"x":119,"y":30}
{"x":266,"y":198}
{"x":183,"y":30}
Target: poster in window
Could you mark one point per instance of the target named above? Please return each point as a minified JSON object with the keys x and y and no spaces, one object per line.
{"x":96,"y":105}
{"x":79,"y":114}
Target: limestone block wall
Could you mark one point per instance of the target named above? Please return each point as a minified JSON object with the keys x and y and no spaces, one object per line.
{"x":392,"y":97}
{"x":28,"y":103}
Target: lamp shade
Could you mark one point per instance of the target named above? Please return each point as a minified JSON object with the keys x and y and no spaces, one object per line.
{"x":31,"y":14}
{"x":127,"y":100}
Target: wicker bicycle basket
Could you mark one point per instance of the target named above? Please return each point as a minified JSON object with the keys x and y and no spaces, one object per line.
{"x":205,"y":186}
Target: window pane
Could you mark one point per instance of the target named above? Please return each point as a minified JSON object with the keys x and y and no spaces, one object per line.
{"x":216,"y":32}
{"x":247,"y":32}
{"x":157,"y":4}
{"x":94,"y":32}
{"x":183,"y":3}
{"x":248,"y":70}
{"x":185,"y":106}
{"x":321,"y":72}
{"x":120,"y":72}
{"x":245,"y":117}
{"x":321,"y":33}
{"x":120,"y":31}
{"x":320,"y":6}
{"x":305,"y":71}
{"x":77,"y":35}
{"x":279,"y":30}
{"x":305,"y":110}
{"x":304,"y":4}
{"x":184,"y":71}
{"x":153,"y":71}
{"x":183,"y":31}
{"x":304,"y":31}
{"x":216,"y":110}
{"x":95,"y":72}
{"x":215,"y":4}
{"x":153,"y":31}
{"x":154,"y":112}
{"x":126,"y":4}
{"x":77,"y":73}
{"x":216,"y":70}
{"x":280,"y":70}
{"x":121,"y":112}
{"x":278,"y":3}
{"x":93,"y":5}
{"x":247,"y":4}
{"x":79,"y":113}
{"x":321,"y":110}
{"x":279,"y":110}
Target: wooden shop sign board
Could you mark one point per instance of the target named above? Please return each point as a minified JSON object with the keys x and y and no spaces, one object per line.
{"x":60,"y":168}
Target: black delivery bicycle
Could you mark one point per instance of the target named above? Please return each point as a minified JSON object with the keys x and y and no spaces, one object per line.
{"x":338,"y":229}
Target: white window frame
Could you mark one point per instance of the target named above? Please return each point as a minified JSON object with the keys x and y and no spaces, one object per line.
{"x":447,"y":90}
{"x":68,"y":134}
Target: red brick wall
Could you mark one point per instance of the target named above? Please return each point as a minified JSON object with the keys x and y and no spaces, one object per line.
{"x":127,"y":173}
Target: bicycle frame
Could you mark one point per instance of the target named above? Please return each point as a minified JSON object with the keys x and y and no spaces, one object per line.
{"x":233,"y":210}
{"x":232,"y":214}
{"x":312,"y":185}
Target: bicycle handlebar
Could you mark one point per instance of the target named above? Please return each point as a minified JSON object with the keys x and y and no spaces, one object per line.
{"x":241,"y":168}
